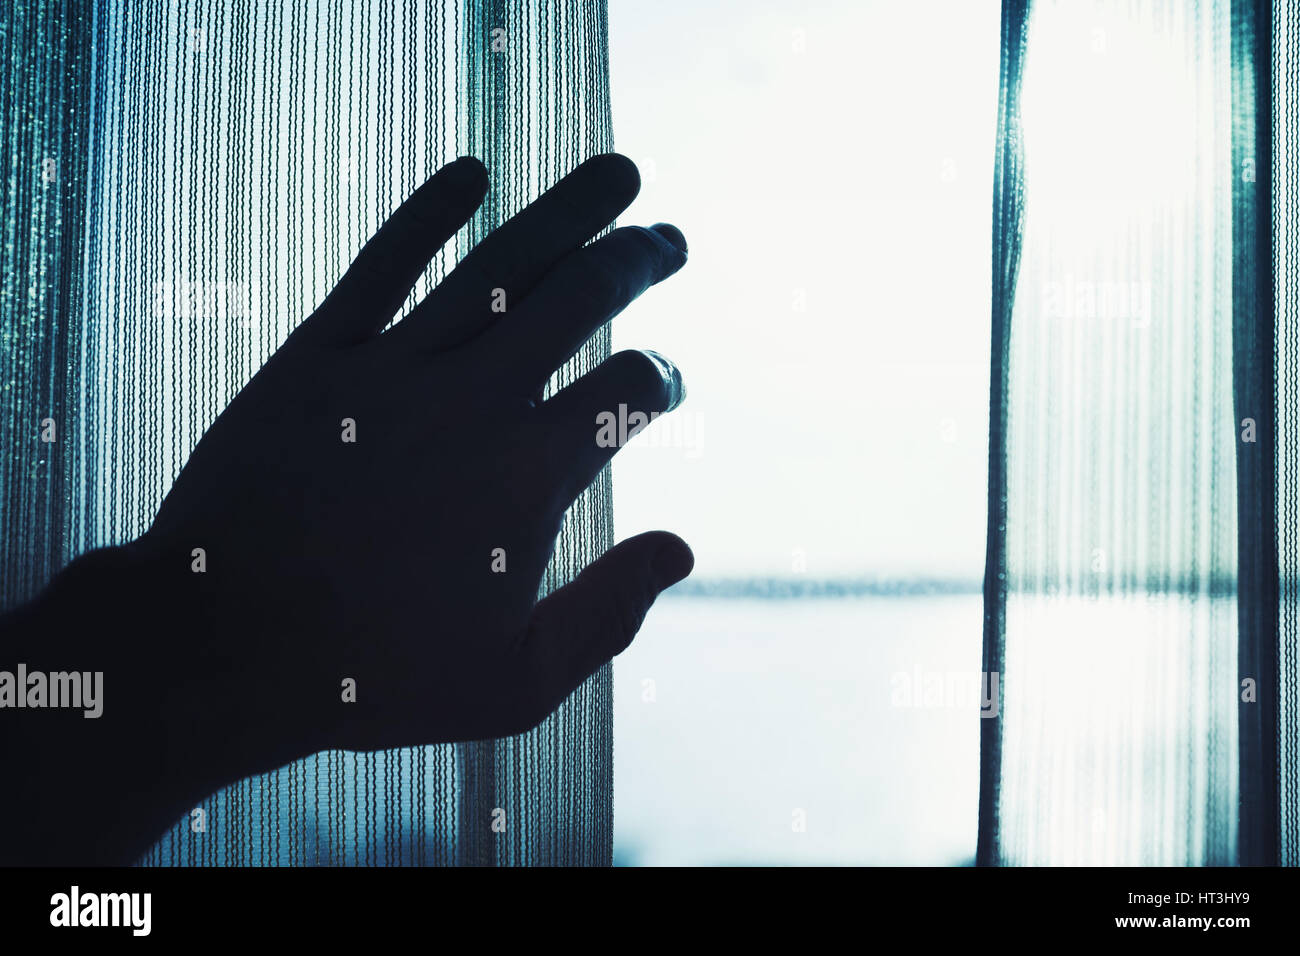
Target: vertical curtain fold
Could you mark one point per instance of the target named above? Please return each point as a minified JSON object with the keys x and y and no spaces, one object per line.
{"x":1148,"y":626}
{"x":1136,"y":536}
{"x":1255,"y":400}
{"x":46,"y":97}
{"x":1008,"y":225}
{"x":1284,"y":71}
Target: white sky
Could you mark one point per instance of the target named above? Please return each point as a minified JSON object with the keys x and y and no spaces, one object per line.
{"x":858,"y":175}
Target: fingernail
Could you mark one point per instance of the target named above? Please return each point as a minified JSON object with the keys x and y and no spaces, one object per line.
{"x":672,"y":563}
{"x":672,"y":377}
{"x":672,"y":234}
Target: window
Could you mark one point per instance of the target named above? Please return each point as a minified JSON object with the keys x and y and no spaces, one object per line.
{"x":830,"y":164}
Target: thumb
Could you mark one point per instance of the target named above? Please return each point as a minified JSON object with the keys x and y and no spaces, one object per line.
{"x":578,"y":628}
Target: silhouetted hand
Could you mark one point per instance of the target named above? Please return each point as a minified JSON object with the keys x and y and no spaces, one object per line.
{"x":366,"y":481}
{"x":330,"y":558}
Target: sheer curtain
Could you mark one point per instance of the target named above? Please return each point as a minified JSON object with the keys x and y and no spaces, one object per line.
{"x":1285,"y":151}
{"x":187,"y":180}
{"x":1132,"y":592}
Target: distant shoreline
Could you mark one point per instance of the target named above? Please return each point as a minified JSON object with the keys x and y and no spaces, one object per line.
{"x":787,"y":588}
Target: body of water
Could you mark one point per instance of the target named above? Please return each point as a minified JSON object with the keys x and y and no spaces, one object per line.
{"x":832,"y":730}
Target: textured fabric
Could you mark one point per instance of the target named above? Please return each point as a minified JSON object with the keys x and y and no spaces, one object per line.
{"x":45,"y":98}
{"x":1008,"y":227}
{"x":1117,"y":739}
{"x":1255,"y":400}
{"x":219,"y":163}
{"x":1285,"y":71}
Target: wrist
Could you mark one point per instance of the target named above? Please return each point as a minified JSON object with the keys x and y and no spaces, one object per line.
{"x":96,"y":780}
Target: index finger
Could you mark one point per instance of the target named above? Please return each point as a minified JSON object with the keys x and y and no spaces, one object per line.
{"x":514,"y":257}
